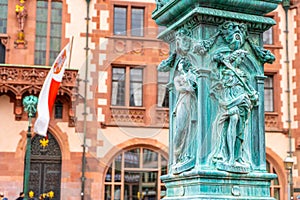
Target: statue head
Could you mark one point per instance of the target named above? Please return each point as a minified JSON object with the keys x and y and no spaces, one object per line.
{"x":234,"y":34}
{"x":183,"y":41}
{"x":183,"y":66}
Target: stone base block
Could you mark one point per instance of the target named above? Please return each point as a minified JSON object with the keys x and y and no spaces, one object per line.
{"x":213,"y":185}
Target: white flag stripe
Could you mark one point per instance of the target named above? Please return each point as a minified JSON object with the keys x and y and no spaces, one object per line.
{"x":56,"y":73}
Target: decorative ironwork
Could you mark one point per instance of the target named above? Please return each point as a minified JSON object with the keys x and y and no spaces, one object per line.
{"x":44,"y":142}
{"x":52,"y":150}
{"x":45,"y":171}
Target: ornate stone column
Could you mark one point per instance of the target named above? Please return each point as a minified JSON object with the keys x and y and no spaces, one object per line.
{"x":217,"y":139}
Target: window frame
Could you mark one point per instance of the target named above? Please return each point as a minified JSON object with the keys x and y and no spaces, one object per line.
{"x":58,"y":109}
{"x":272,"y":88}
{"x":142,"y":22}
{"x":271,"y":168}
{"x":128,"y":20}
{"x":269,"y":40}
{"x":162,"y":84}
{"x":4,"y":18}
{"x":114,"y":16}
{"x":131,"y":82}
{"x":117,"y":167}
{"x":127,"y":86}
{"x":2,"y":52}
{"x":49,"y":52}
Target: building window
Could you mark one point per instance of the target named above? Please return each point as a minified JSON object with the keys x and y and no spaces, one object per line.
{"x":269,"y":94}
{"x":118,"y":87}
{"x":275,"y":185}
{"x":137,"y":22}
{"x":58,"y":110}
{"x":121,"y":14}
{"x":56,"y":27}
{"x":120,"y":20}
{"x":2,"y":52}
{"x":127,"y":96}
{"x":268,"y":36}
{"x":3,"y":16}
{"x":3,"y":28}
{"x":162,"y":90}
{"x":136,"y":172}
{"x":48,"y":32}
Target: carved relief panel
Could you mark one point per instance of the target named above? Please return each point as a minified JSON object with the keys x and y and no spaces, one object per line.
{"x":223,"y":75}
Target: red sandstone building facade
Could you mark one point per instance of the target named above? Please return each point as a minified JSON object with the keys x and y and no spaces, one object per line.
{"x":126,"y":117}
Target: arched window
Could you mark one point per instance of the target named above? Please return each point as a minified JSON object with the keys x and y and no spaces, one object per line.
{"x":275,"y":188}
{"x":134,"y":174}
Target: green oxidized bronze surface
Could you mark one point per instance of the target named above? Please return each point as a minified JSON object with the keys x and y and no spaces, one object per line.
{"x":30,"y":103}
{"x":175,"y":9}
{"x":216,"y":90}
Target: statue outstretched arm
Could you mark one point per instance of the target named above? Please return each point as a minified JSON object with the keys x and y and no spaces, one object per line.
{"x":167,"y":64}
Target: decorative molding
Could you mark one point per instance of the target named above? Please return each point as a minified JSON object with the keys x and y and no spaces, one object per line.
{"x":20,"y":80}
{"x":51,"y":151}
{"x":163,"y":49}
{"x":212,"y":16}
{"x":120,"y":46}
{"x":162,"y":117}
{"x":4,"y":39}
{"x":128,"y":115}
{"x":137,"y":47}
{"x":168,"y":11}
{"x":271,"y":121}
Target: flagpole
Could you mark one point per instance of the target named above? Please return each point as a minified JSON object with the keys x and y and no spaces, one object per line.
{"x":83,"y":178}
{"x":70,"y":55}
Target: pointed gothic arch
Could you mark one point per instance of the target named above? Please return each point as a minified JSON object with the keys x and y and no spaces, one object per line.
{"x":45,"y":166}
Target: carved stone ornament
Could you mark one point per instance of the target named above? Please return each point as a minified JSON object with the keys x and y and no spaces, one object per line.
{"x":21,"y":14}
{"x":137,"y":48}
{"x":17,"y":81}
{"x":4,"y":39}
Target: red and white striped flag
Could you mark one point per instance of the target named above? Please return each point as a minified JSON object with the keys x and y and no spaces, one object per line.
{"x":49,"y":91}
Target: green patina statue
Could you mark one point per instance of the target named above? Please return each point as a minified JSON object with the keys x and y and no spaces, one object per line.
{"x":216,"y":90}
{"x":184,"y":112}
{"x":235,"y":98}
{"x":230,"y":88}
